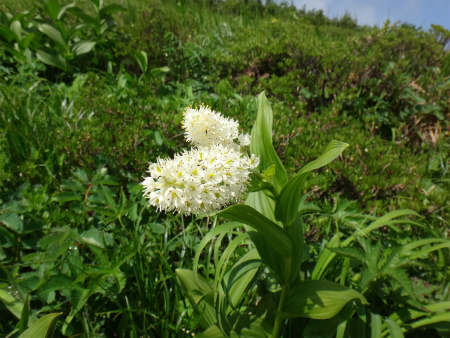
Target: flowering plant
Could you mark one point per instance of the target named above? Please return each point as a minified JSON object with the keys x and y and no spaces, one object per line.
{"x":216,"y":173}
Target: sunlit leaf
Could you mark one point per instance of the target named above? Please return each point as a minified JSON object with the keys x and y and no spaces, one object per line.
{"x":319,"y":299}
{"x":43,"y":328}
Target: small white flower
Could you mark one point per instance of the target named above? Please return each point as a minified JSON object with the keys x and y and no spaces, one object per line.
{"x":205,"y":127}
{"x":201,"y":179}
{"x":244,"y":139}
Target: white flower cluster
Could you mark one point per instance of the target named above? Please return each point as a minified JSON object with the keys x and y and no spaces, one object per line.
{"x":205,"y":127}
{"x":208,"y":177}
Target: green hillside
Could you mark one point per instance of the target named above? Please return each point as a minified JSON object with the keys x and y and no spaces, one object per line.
{"x":91,"y":92}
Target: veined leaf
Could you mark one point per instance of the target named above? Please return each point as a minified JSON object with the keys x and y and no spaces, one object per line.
{"x":375,"y":325}
{"x":82,"y":47}
{"x":44,"y":327}
{"x":276,"y":236}
{"x":48,"y":57}
{"x":394,"y":329}
{"x":142,"y":59}
{"x":209,"y":236}
{"x":287,"y":204}
{"x":53,"y":7}
{"x":261,"y":142}
{"x":240,"y":276}
{"x":53,"y":34}
{"x":319,"y":299}
{"x":64,"y":9}
{"x":201,"y":295}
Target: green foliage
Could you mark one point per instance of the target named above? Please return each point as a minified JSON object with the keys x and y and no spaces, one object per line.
{"x":90,"y":92}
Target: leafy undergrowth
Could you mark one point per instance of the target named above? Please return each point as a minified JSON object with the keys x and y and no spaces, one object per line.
{"x":80,"y":122}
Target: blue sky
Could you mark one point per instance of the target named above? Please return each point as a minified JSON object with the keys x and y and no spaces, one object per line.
{"x":375,"y":12}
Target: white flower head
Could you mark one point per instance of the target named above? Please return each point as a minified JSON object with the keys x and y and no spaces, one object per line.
{"x":201,"y":179}
{"x":244,"y":139}
{"x":205,"y":127}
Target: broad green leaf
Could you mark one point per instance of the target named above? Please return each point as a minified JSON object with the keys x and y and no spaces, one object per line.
{"x":51,"y":58}
{"x":64,"y":9}
{"x":7,"y":34}
{"x":16,"y":27}
{"x":331,"y":152}
{"x":278,"y":238}
{"x":12,"y":221}
{"x":82,"y":47}
{"x":53,"y":7}
{"x":240,"y":276}
{"x":227,"y":253}
{"x":287,"y":204}
{"x":261,"y":142}
{"x":43,"y":328}
{"x":395,"y":330}
{"x":53,"y":34}
{"x":142,"y":59}
{"x":376,"y":327}
{"x":201,"y":295}
{"x":159,"y":70}
{"x":319,"y":299}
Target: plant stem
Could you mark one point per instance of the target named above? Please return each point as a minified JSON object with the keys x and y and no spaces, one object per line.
{"x":278,"y":327}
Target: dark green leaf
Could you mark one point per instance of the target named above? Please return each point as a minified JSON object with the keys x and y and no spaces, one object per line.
{"x":53,"y":7}
{"x":277,"y":237}
{"x":67,"y":196}
{"x":51,"y":58}
{"x":12,"y":221}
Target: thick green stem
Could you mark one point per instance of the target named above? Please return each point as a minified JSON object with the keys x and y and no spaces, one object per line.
{"x":278,"y":327}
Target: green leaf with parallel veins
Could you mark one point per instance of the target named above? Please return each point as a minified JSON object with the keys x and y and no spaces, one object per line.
{"x":53,"y":7}
{"x":53,"y":34}
{"x":395,"y":330}
{"x":142,"y":59}
{"x":287,"y":204}
{"x":48,"y":57}
{"x":276,"y":236}
{"x":319,"y":300}
{"x":43,"y":328}
{"x":82,"y":47}
{"x":201,"y":295}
